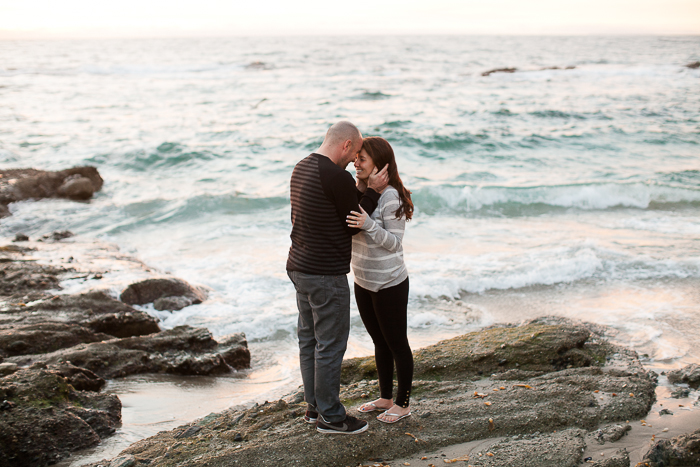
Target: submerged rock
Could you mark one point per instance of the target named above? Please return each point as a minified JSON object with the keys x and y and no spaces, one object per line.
{"x":681,"y":451}
{"x":693,"y":65}
{"x":568,"y":384}
{"x":689,"y":374}
{"x":168,"y":293}
{"x":54,"y":411}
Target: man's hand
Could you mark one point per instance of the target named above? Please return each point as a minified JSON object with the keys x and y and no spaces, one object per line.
{"x":362,"y":185}
{"x":378,"y":181}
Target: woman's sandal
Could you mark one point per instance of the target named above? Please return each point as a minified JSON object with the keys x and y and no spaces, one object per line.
{"x":399,"y":417}
{"x":369,"y":407}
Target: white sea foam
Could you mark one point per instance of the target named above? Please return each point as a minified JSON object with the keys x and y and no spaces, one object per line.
{"x":584,"y":196}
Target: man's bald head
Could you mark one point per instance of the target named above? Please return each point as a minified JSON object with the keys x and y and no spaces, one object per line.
{"x":340,"y":132}
{"x":342,"y":143}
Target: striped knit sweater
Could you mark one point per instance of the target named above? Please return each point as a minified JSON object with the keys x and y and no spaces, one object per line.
{"x":377,"y":252}
{"x":322,"y":196}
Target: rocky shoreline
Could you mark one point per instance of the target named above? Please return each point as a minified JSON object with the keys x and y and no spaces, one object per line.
{"x":535,"y":394}
{"x":56,"y":351}
{"x":545,"y":389}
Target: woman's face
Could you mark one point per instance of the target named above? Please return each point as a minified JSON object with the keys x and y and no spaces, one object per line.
{"x":363,"y":165}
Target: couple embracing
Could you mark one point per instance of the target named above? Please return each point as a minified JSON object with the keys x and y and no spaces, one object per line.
{"x":335,"y":222}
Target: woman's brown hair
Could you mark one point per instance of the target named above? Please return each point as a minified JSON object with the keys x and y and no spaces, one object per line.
{"x":381,"y":153}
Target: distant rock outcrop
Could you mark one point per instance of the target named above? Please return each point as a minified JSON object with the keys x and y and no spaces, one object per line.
{"x":78,"y":183}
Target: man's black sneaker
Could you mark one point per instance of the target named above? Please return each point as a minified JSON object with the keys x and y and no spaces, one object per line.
{"x":349,"y":426}
{"x":310,"y":417}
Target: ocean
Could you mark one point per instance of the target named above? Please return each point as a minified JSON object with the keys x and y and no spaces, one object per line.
{"x":571,"y":191}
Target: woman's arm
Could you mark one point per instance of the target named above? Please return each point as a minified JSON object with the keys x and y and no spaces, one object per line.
{"x":391,"y":235}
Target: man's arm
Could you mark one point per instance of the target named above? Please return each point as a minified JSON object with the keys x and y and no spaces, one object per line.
{"x":346,"y":197}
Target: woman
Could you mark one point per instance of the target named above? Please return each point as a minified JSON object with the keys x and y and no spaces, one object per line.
{"x":381,"y":279}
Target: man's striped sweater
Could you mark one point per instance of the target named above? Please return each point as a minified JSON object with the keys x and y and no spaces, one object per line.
{"x":322,"y":196}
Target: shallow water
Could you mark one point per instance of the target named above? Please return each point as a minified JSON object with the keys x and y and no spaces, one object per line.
{"x":568,"y":192}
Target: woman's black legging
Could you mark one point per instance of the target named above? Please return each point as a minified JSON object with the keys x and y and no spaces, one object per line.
{"x":384,"y":315}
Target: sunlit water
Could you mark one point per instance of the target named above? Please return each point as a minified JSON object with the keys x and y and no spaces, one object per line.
{"x":568,"y":192}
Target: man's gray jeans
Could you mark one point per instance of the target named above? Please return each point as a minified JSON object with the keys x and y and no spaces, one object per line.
{"x":323,"y":329}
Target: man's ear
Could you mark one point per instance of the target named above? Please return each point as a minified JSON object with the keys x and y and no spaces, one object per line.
{"x":348,"y":145}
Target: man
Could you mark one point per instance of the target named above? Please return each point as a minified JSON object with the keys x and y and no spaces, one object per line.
{"x":322,"y":195}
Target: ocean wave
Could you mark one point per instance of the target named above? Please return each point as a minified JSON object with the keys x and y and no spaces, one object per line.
{"x":161,"y":211}
{"x":514,"y":201}
{"x":455,"y":276}
{"x":167,"y":154}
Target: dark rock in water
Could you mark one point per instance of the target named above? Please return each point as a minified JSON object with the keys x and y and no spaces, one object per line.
{"x":499,"y":70}
{"x":183,"y":350}
{"x":4,"y":211}
{"x":665,"y":412}
{"x":76,"y":187}
{"x":21,"y":184}
{"x":681,"y":451}
{"x":258,"y":66}
{"x":689,"y":375}
{"x":235,"y":350}
{"x":171,"y":303}
{"x":58,"y":235}
{"x":693,"y":65}
{"x":610,"y":433}
{"x":528,"y":410}
{"x":49,"y":417}
{"x":150,"y":290}
{"x":20,"y":237}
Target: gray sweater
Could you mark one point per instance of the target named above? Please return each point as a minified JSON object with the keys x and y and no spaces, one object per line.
{"x":377,"y":251}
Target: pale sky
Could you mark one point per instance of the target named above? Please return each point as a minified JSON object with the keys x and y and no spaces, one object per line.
{"x":164,"y":18}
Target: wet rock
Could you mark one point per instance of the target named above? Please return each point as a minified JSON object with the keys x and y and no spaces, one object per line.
{"x":563,"y":449}
{"x":88,"y":317}
{"x":533,"y":348}
{"x":58,"y":235}
{"x":76,"y":187}
{"x":17,"y":277}
{"x":183,"y":350}
{"x":22,"y":184}
{"x":150,"y":290}
{"x":665,"y":412}
{"x":621,"y":458}
{"x":45,"y":337}
{"x":123,"y":461}
{"x":680,"y":393}
{"x":499,"y":70}
{"x":610,"y":433}
{"x":189,"y":432}
{"x":681,"y":451}
{"x":527,"y":410}
{"x":171,"y":303}
{"x":20,"y":237}
{"x":689,"y":375}
{"x":7,"y":368}
{"x":51,"y":418}
{"x":693,"y":65}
